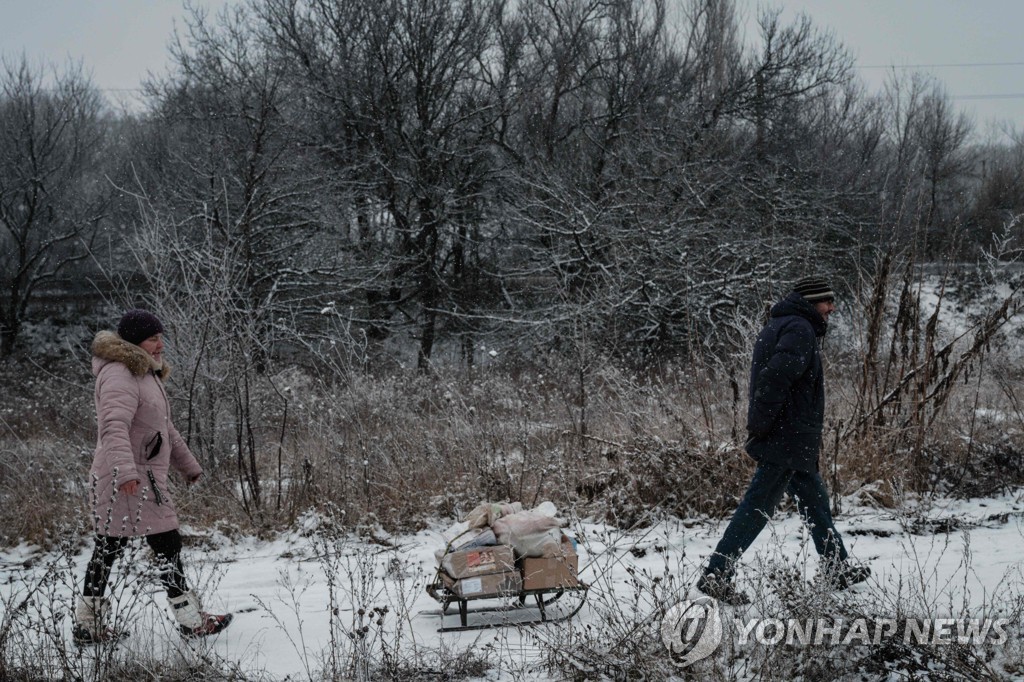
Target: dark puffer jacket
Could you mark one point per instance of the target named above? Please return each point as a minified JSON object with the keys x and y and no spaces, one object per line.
{"x":786,"y":413}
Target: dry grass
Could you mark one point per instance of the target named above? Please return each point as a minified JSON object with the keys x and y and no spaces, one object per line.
{"x":909,"y":409}
{"x":402,"y":449}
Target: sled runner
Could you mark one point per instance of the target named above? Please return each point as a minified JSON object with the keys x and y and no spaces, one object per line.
{"x":547,"y":600}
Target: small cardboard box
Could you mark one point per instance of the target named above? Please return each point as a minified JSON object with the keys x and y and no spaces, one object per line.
{"x":503,"y":584}
{"x":544,"y":573}
{"x":479,"y":561}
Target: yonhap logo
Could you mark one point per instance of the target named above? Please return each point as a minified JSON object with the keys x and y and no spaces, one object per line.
{"x":692,"y":630}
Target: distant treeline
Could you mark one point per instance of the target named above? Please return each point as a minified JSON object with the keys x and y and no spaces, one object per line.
{"x":635,"y":176}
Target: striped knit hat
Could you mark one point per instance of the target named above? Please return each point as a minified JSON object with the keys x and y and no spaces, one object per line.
{"x":814,"y":289}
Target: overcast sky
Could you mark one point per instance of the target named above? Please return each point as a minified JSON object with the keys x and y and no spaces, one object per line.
{"x":975,"y":47}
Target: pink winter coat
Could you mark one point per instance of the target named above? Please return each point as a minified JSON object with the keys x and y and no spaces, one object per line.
{"x":136,"y":441}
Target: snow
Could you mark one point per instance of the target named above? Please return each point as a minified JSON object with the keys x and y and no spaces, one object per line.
{"x":964,"y":556}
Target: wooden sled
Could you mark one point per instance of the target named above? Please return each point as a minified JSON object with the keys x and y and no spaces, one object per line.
{"x":441,"y":591}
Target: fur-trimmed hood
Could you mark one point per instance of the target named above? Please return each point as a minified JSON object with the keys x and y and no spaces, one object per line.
{"x":135,"y":441}
{"x":108,"y":347}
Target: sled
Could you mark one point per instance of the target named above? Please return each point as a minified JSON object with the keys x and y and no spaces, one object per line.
{"x":441,"y":590}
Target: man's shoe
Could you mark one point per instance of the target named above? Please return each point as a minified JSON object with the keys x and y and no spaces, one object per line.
{"x":847,"y":575}
{"x":721,"y":589}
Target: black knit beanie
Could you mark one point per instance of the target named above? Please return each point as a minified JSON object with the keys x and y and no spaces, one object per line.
{"x":814,"y":289}
{"x":137,"y":325}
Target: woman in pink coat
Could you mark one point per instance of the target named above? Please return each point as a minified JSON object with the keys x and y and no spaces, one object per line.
{"x":136,"y":447}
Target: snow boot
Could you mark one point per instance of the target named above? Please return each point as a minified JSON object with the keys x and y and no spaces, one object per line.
{"x":721,"y":589}
{"x":192,"y":620}
{"x":90,"y":622}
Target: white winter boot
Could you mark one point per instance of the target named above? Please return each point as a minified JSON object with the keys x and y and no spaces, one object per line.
{"x":192,"y":620}
{"x":91,"y":615}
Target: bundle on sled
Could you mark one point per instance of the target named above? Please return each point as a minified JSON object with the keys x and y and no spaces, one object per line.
{"x":506,"y":552}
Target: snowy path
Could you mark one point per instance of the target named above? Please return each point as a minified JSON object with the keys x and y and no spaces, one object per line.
{"x":281,"y":591}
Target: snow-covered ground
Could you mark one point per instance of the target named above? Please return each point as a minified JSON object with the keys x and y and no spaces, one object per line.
{"x":962,"y":557}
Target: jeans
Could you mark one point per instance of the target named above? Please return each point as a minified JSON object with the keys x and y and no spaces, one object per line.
{"x":767,"y":486}
{"x":167,"y":548}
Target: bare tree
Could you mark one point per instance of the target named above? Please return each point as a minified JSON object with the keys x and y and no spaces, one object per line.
{"x":948,"y":162}
{"x":52,"y":194}
{"x":1000,"y":196}
{"x":928,"y":160}
{"x":795,"y":63}
{"x":679,"y":184}
{"x":233,"y":235}
{"x":224,"y":157}
{"x":398,"y":94}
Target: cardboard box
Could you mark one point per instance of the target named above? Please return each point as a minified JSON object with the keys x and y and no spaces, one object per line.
{"x":503,"y":584}
{"x":479,"y":561}
{"x":544,"y":573}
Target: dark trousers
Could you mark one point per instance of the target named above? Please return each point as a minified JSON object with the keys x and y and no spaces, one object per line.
{"x":767,"y":486}
{"x":167,"y":548}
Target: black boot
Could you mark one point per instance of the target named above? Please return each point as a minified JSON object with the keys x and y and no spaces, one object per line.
{"x":845,"y":575}
{"x":721,"y":589}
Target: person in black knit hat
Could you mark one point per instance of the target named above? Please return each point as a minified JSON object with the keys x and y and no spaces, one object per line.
{"x":137,"y":448}
{"x":785,"y":419}
{"x":137,"y":325}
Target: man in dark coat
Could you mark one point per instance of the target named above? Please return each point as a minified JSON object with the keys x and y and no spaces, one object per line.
{"x":785,"y":420}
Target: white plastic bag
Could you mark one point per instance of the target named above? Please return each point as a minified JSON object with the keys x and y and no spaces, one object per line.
{"x":530,"y":533}
{"x":486,"y":513}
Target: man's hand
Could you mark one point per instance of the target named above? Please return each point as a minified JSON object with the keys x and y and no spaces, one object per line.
{"x":129,"y":488}
{"x":192,"y":480}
